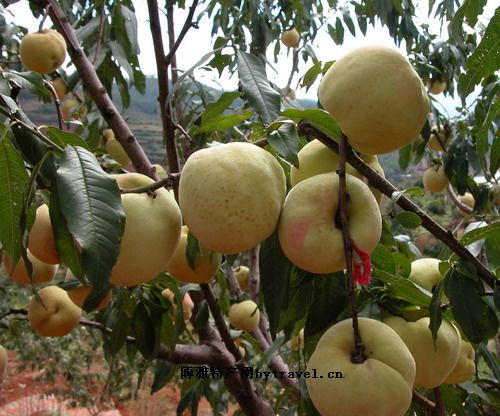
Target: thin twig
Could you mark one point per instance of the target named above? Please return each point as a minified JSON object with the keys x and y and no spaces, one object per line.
{"x":423,"y":401}
{"x":169,"y":182}
{"x":295,"y":64}
{"x":457,"y":202}
{"x":99,"y":35}
{"x":188,"y":24}
{"x":53,"y":91}
{"x":399,"y":198}
{"x":358,"y":356}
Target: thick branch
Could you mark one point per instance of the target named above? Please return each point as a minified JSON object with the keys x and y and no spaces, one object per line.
{"x":97,"y":91}
{"x":241,"y":389}
{"x":399,"y":198}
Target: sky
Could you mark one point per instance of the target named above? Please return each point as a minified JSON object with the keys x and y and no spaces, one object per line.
{"x":198,"y":42}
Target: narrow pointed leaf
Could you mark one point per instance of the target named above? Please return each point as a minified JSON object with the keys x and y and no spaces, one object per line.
{"x":274,"y":274}
{"x":484,"y":61}
{"x":476,"y":318}
{"x":319,"y":118}
{"x":286,"y":142}
{"x":264,"y":100}
{"x":13,"y":182}
{"x":64,"y":240}
{"x":63,"y":138}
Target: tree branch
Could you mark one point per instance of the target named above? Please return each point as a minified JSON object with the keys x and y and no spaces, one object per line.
{"x":456,"y":200}
{"x":168,"y":126}
{"x":171,"y":181}
{"x":423,"y":401}
{"x":440,"y":409}
{"x":97,"y":91}
{"x":358,"y":356}
{"x":244,"y":393}
{"x":188,"y":24}
{"x":399,"y":198}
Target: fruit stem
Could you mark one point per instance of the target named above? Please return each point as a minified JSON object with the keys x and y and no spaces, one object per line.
{"x":358,"y":356}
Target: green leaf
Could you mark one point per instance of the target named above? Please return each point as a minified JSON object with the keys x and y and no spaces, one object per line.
{"x":285,"y":141}
{"x":495,"y":156}
{"x":319,"y":118}
{"x":408,"y":219}
{"x":479,"y":233}
{"x":452,"y":398}
{"x":64,"y":240}
{"x":130,"y":23}
{"x":202,"y":315}
{"x":13,"y":182}
{"x":91,"y":204}
{"x":405,"y":156}
{"x":261,"y":96}
{"x":221,"y":122}
{"x":496,"y":295}
{"x":218,"y":107}
{"x":29,"y":80}
{"x":346,"y":16}
{"x":484,"y":61}
{"x":119,"y":321}
{"x":193,"y":248}
{"x":274,"y":279}
{"x":382,"y":258}
{"x":491,"y":360}
{"x":311,"y":74}
{"x":298,"y":298}
{"x":404,"y":289}
{"x":268,"y":354}
{"x":329,"y":298}
{"x":482,"y":136}
{"x":32,"y":147}
{"x":63,"y":138}
{"x":435,"y":313}
{"x":164,"y":372}
{"x":339,"y":29}
{"x":471,"y":9}
{"x":476,"y":318}
{"x":146,"y":327}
